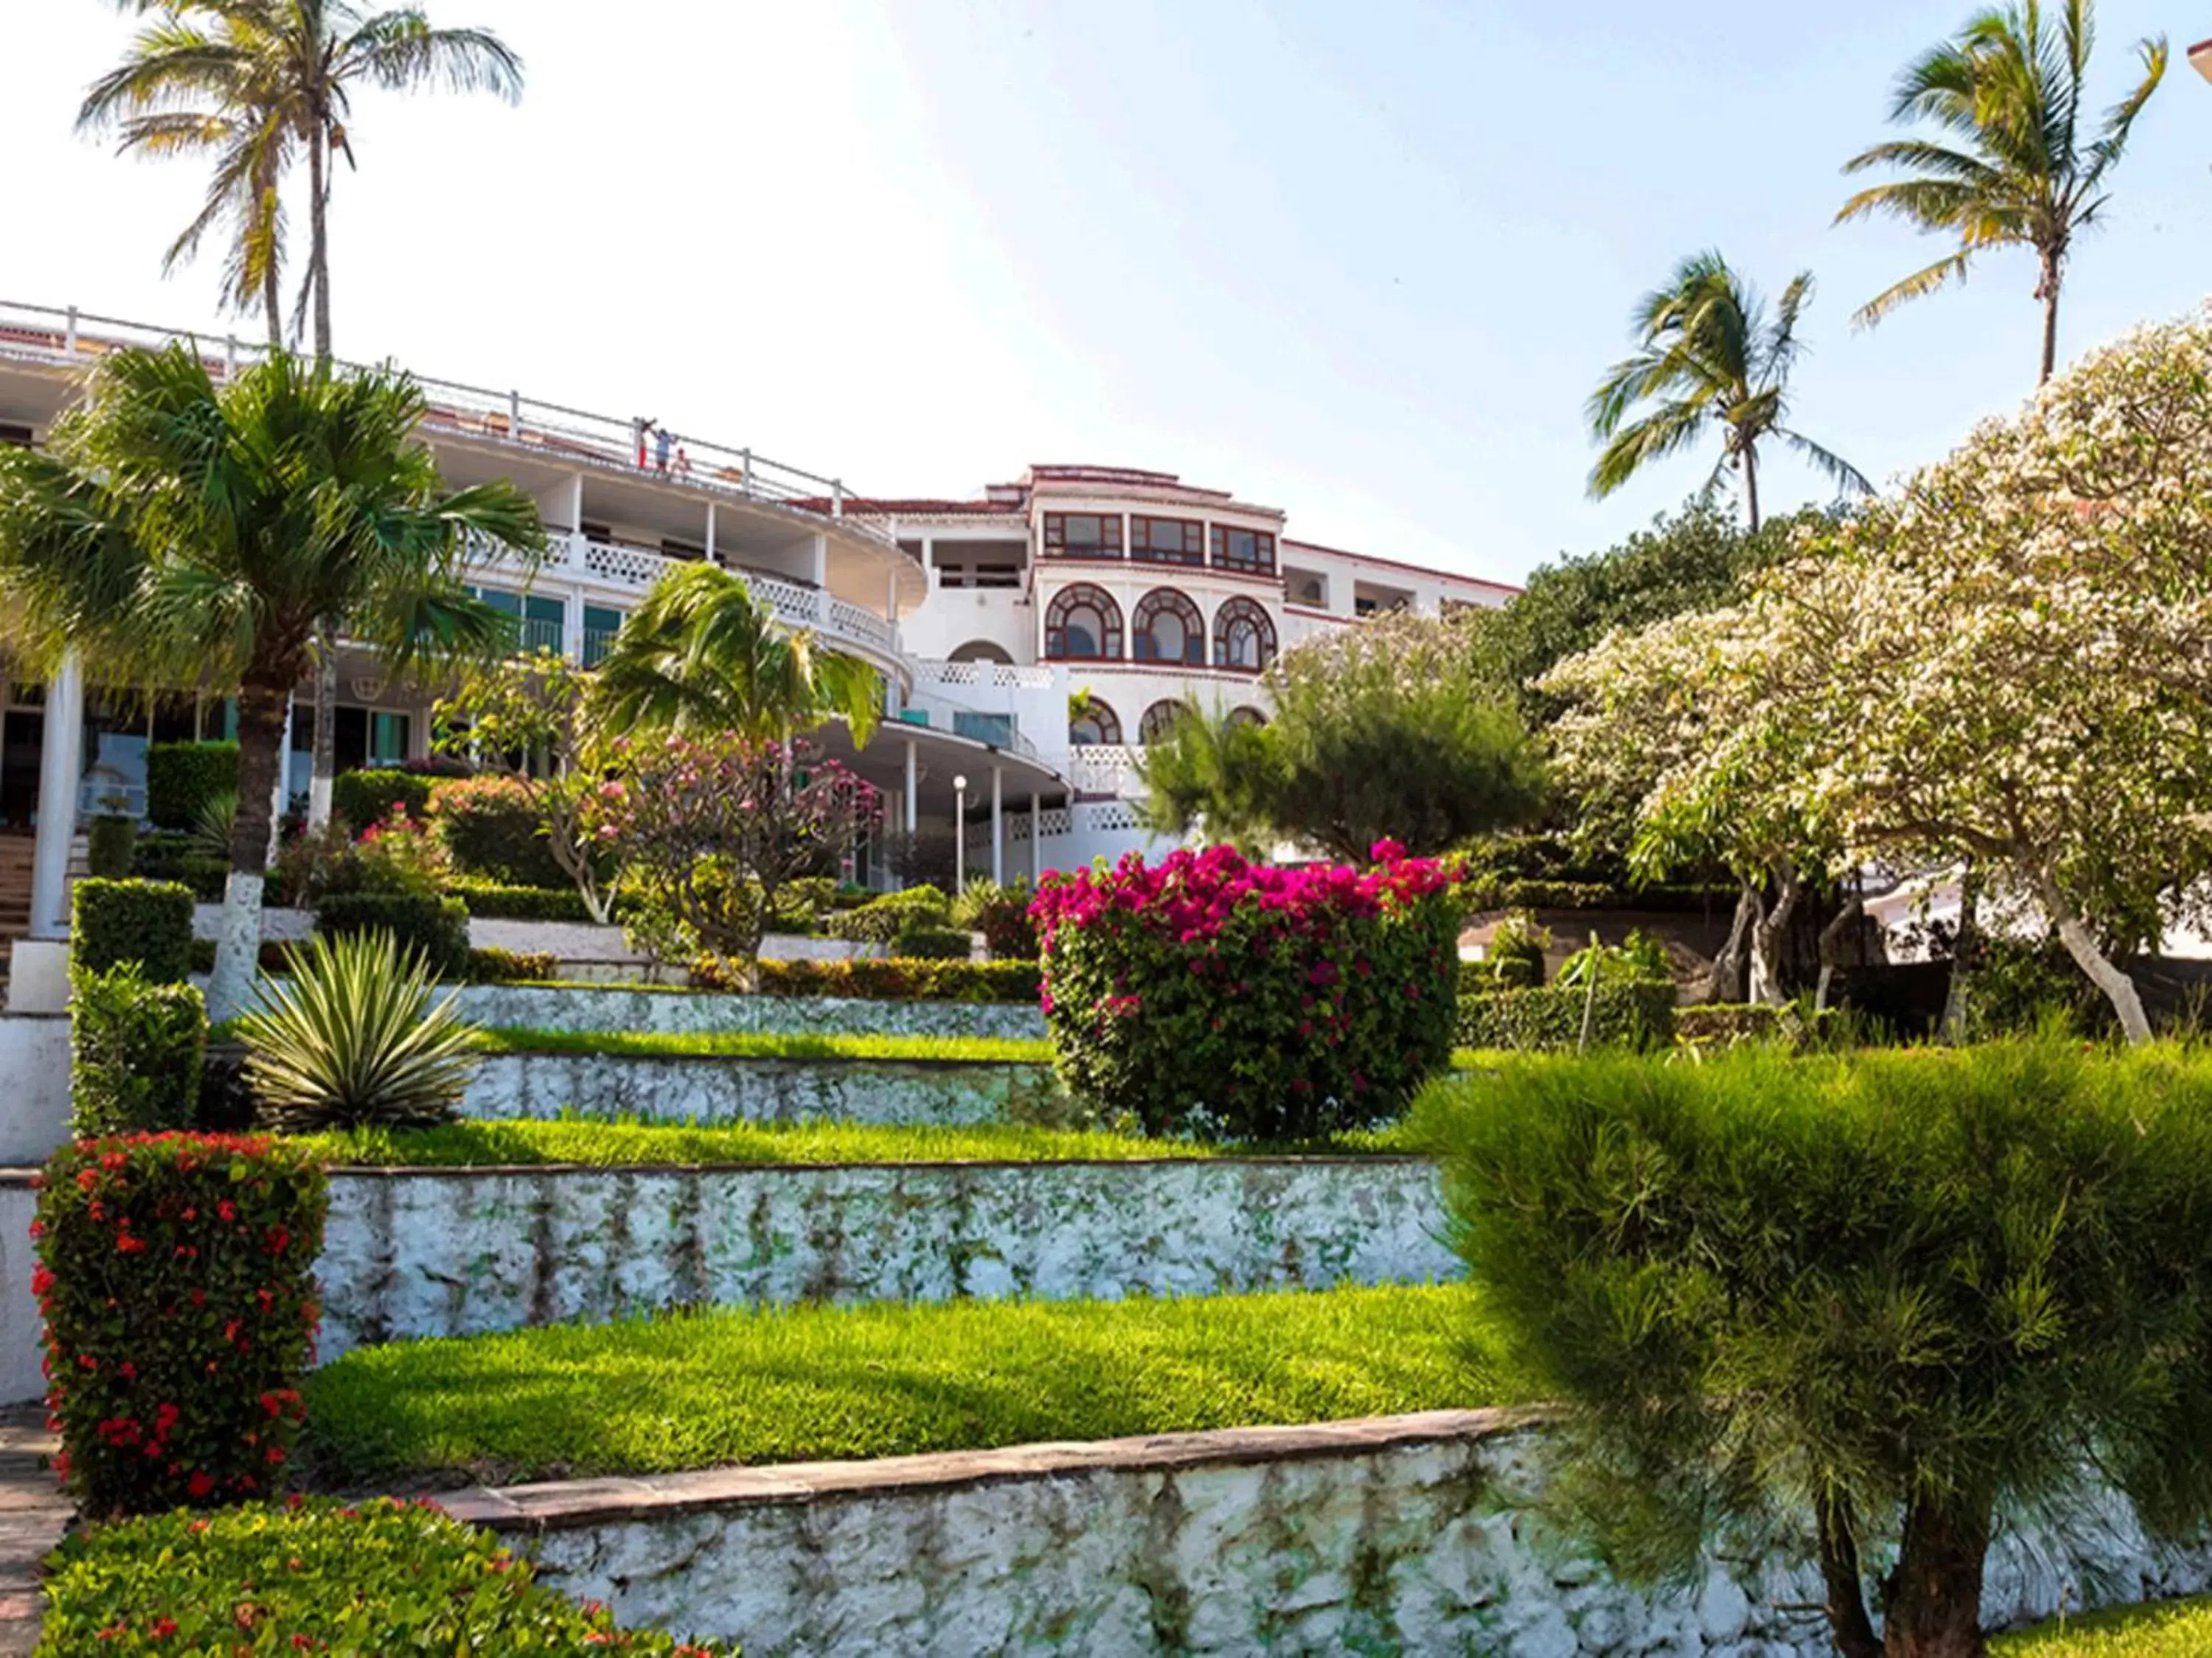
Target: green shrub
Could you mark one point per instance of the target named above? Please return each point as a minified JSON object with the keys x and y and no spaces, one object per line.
{"x":926,"y":943}
{"x":1907,"y":1290}
{"x":881,"y":920}
{"x":494,"y":830}
{"x":881,"y":979}
{"x":1632,"y":1013}
{"x":110,"y":842}
{"x":368,"y":796}
{"x":497,"y":966}
{"x":1638,"y":956}
{"x":379,"y":1576}
{"x":1001,"y":913}
{"x":182,"y":778}
{"x":1726,"y":1024}
{"x":147,"y":922}
{"x":435,"y":929}
{"x":176,"y":1274}
{"x":135,"y":1050}
{"x":167,"y":856}
{"x":1211,"y":995}
{"x":351,"y":1039}
{"x":495,"y":902}
{"x":1517,"y":952}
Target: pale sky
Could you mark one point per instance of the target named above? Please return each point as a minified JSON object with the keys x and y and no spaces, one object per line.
{"x":1361,"y":259}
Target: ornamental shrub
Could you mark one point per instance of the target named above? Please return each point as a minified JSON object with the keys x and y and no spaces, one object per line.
{"x":135,"y":1050}
{"x":147,"y":922}
{"x":176,"y":1273}
{"x":1207,"y":994}
{"x":492,"y":829}
{"x":110,"y":842}
{"x":1516,"y":951}
{"x":880,"y":979}
{"x":317,"y":1575}
{"x":369,"y":795}
{"x":492,"y":965}
{"x":1548,"y":1019}
{"x":881,"y":920}
{"x":923,"y":943}
{"x":1001,"y":913}
{"x":495,"y":902}
{"x":435,"y":929}
{"x":182,"y":778}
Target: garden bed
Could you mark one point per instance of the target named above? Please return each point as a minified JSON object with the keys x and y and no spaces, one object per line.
{"x":674,"y":1010}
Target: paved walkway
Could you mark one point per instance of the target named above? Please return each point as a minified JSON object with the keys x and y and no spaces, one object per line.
{"x":31,"y":1516}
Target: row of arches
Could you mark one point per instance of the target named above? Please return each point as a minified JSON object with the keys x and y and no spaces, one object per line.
{"x":1099,"y":723}
{"x":1083,"y":624}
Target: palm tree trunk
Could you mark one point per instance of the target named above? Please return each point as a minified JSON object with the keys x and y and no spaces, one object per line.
{"x":1750,"y":481}
{"x":318,"y":251}
{"x":2047,"y":291}
{"x":322,"y":780}
{"x":261,"y":703}
{"x":272,"y":304}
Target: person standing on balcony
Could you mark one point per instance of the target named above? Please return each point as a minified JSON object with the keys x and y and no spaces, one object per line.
{"x":638,"y":428}
{"x":683,"y":462}
{"x":662,"y":442}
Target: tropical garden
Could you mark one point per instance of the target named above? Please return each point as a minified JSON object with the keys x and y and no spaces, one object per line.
{"x":1873,"y":1262}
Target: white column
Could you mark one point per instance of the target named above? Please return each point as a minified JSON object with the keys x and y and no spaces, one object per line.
{"x":283,"y":791}
{"x":998,"y":825}
{"x":710,"y":532}
{"x":913,"y":779}
{"x":929,"y":561}
{"x":577,"y":505}
{"x":1036,"y":840}
{"x":572,"y":625}
{"x":61,"y":763}
{"x":819,"y":566}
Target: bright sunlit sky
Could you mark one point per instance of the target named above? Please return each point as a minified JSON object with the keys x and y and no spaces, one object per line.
{"x":1363,"y":259}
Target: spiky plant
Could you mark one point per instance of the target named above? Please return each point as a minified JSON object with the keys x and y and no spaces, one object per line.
{"x":218,"y":816}
{"x":354,"y":1041}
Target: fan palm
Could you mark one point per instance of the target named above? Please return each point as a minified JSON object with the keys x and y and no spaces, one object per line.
{"x":2026,"y":167}
{"x":181,"y":533}
{"x":1709,"y":358}
{"x":700,"y":654}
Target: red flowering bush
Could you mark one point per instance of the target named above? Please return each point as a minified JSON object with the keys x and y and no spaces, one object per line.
{"x":1211,"y":995}
{"x":176,"y":1273}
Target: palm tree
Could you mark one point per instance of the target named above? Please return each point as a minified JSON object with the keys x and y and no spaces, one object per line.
{"x":700,"y":653}
{"x":180,"y":532}
{"x":1707,"y":355}
{"x":2024,"y":170}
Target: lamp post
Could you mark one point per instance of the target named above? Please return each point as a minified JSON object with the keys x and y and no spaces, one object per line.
{"x":960,"y":834}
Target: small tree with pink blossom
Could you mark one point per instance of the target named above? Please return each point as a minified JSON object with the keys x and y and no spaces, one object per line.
{"x":713,"y":829}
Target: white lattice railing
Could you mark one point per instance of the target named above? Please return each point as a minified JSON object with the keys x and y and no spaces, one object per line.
{"x":1104,"y":768}
{"x":1002,"y":676}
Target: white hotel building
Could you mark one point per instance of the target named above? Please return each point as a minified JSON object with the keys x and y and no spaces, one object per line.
{"x":1107,"y":592}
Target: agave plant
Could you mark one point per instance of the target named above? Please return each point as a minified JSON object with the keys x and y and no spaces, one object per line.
{"x":353,"y":1040}
{"x":218,"y":817}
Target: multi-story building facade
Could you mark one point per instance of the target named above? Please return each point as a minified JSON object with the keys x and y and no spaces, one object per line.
{"x":1031,"y":639}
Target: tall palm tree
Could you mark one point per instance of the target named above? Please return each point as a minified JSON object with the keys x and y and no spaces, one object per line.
{"x":1709,"y":358}
{"x":700,"y":653}
{"x":181,"y":533}
{"x":2027,"y":164}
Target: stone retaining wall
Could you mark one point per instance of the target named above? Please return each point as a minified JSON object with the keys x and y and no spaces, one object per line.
{"x":720,"y":1089}
{"x":23,"y":1332}
{"x":447,"y":1253}
{"x":1404,"y":1534}
{"x":681,"y":1013}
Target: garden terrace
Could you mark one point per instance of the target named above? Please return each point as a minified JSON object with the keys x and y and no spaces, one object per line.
{"x":671,"y":1010}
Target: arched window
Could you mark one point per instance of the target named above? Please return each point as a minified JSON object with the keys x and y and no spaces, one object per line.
{"x":1094,"y":722}
{"x":982,"y":650}
{"x":1168,"y":628}
{"x":1083,"y":624}
{"x":1159,"y":719}
{"x":1247,"y":716}
{"x":1243,"y":636}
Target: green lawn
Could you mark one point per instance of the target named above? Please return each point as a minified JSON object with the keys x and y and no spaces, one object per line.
{"x":2179,"y":1629}
{"x":811,"y":1382}
{"x":771,"y":1045}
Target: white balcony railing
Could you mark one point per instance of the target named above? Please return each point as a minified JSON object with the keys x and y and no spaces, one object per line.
{"x":1005,"y":676}
{"x":1105,"y":769}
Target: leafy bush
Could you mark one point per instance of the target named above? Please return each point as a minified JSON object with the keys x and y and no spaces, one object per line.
{"x":1248,"y":1000}
{"x":1638,"y":956}
{"x":111,"y":844}
{"x":492,"y":828}
{"x":351,"y":1039}
{"x":500,"y":903}
{"x":135,"y":1053}
{"x":1517,"y":952}
{"x":881,"y":920}
{"x":1724,"y":1024}
{"x":370,"y":796}
{"x":435,"y":929}
{"x":182,"y":778}
{"x":381,"y":1576}
{"x":497,"y":966}
{"x":398,"y":853}
{"x":1892,"y":1294}
{"x":1001,"y":914}
{"x":1548,"y":1019}
{"x":926,"y":943}
{"x":176,"y":1274}
{"x":147,"y":922}
{"x":881,"y":979}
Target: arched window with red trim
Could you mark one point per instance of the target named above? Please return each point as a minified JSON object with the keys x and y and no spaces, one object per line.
{"x":1247,"y":714}
{"x":1094,"y":722}
{"x":1243,"y":636}
{"x":1083,"y":624}
{"x":1167,"y":628}
{"x":1159,"y":720}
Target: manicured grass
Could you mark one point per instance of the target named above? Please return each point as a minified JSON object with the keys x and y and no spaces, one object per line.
{"x":798,"y":1384}
{"x":2178,"y":1629}
{"x":771,"y":1045}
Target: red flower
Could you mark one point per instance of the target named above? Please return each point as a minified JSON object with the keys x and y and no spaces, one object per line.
{"x":162,"y":1628}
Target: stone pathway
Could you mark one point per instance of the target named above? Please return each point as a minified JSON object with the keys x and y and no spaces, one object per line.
{"x":31,"y":1516}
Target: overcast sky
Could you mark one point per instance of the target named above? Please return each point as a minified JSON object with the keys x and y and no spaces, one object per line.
{"x":1361,"y":259}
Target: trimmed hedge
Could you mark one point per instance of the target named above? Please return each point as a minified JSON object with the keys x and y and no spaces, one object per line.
{"x":1637,"y":1014}
{"x":136,"y":1052}
{"x":379,"y":1577}
{"x":182,"y":778}
{"x":1001,"y":914}
{"x":167,"y":856}
{"x":436,"y":928}
{"x":368,"y":796}
{"x":497,"y":966}
{"x":147,"y":922}
{"x":1726,"y":1024}
{"x":881,"y":920}
{"x":1590,"y":895}
{"x":491,"y":829}
{"x":924,"y":943}
{"x":496,"y":902}
{"x":880,"y":979}
{"x":110,"y":842}
{"x":176,"y":1274}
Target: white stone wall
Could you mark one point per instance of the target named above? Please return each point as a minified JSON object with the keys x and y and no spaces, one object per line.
{"x":544,"y":1086}
{"x":22,"y":1333}
{"x":450,"y":1252}
{"x":34,"y":1087}
{"x":1347,"y":1538}
{"x":681,"y":1013}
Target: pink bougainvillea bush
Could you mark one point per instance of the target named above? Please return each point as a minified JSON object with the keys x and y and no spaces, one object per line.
{"x":1210,"y":995}
{"x":177,"y":1276}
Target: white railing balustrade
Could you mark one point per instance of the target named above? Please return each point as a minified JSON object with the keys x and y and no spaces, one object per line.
{"x":1000,"y":676}
{"x":1105,"y":769}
